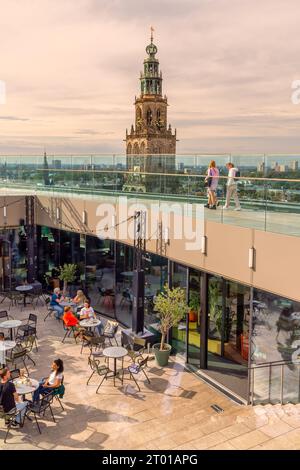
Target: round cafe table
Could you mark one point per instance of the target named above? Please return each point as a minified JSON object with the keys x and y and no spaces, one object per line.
{"x":5,"y":346}
{"x":115,"y":352}
{"x":10,"y":325}
{"x":24,"y":289}
{"x":24,"y":389}
{"x":90,"y":323}
{"x":66,"y":303}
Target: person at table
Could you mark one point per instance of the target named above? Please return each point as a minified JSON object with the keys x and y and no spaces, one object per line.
{"x":56,"y":298}
{"x":70,"y":320}
{"x":79,"y":298}
{"x":87,"y":313}
{"x":9,"y":398}
{"x":50,"y":383}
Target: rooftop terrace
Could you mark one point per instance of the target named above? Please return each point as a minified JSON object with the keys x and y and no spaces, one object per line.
{"x":173,"y":412}
{"x":269,"y":185}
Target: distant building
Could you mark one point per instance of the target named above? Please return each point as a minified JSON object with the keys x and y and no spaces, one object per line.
{"x":57,"y":164}
{"x":282,"y":168}
{"x":275,"y":166}
{"x":294,"y":165}
{"x":261,"y":167}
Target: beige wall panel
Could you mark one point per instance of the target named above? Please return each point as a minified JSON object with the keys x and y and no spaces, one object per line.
{"x":277,"y":263}
{"x":228,"y":251}
{"x":15,"y":210}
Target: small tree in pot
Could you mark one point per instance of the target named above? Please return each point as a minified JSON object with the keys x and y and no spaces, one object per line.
{"x":171,"y":307}
{"x":67,"y":273}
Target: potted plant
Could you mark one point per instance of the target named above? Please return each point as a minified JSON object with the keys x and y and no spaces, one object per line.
{"x":67,"y":273}
{"x":194,"y":305}
{"x":215,"y":310}
{"x":171,"y":307}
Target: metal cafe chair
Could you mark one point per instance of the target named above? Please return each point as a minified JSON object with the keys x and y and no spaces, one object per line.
{"x":14,"y":374}
{"x":97,"y":368}
{"x":135,"y":368}
{"x":4,"y":316}
{"x":68,"y":331}
{"x":50,"y":309}
{"x":29,"y":326}
{"x":18,"y":354}
{"x":40,"y":408}
{"x":9,"y":419}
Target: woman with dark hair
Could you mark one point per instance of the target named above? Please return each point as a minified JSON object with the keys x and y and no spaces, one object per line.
{"x":53,"y":381}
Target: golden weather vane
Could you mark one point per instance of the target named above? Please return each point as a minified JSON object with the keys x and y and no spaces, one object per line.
{"x":151,"y":29}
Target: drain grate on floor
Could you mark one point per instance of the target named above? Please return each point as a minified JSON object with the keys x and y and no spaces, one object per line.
{"x":217,"y":408}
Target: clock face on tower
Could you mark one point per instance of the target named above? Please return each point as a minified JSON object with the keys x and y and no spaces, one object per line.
{"x":151,"y":49}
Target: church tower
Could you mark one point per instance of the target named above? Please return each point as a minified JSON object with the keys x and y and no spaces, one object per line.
{"x":151,"y":144}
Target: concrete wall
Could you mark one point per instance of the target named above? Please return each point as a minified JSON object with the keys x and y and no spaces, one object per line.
{"x":15,"y":210}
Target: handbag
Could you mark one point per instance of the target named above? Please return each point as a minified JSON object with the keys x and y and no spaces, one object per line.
{"x":207,"y":182}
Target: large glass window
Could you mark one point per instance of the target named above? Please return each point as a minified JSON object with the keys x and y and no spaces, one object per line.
{"x":179,"y":279}
{"x":228,"y":333}
{"x":124,"y":277}
{"x":100,"y":274}
{"x":193,"y":348}
{"x":156,"y":276}
{"x":275,"y":345}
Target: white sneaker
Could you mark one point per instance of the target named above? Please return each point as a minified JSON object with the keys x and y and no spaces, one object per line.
{"x":225,"y":208}
{"x":237,"y":209}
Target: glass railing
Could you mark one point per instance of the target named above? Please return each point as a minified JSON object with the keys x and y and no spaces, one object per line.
{"x":275,"y":382}
{"x":268,"y":186}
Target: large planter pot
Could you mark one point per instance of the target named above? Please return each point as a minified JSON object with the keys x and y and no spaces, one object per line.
{"x":192,"y":316}
{"x":162,"y":357}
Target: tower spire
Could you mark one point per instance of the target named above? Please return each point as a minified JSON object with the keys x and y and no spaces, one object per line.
{"x":151,"y":37}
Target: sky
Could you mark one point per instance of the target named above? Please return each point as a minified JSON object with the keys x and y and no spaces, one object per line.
{"x":71,"y":70}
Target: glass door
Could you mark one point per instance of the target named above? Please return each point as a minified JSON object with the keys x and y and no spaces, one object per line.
{"x":228,"y":333}
{"x":179,"y":279}
{"x":193,"y":342}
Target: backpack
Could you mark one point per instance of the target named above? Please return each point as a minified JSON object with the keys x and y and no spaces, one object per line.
{"x":237,"y":174}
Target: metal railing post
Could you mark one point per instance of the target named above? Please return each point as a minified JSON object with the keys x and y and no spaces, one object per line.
{"x":252,"y":387}
{"x":298,"y":384}
{"x":270,"y":375}
{"x":281,"y":383}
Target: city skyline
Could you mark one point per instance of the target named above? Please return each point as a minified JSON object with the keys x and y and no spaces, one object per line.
{"x":71,"y":72}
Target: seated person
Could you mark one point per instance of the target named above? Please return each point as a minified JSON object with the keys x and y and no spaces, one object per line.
{"x":88,"y":312}
{"x":56,"y":298}
{"x":53,"y":381}
{"x":79,"y":298}
{"x":9,"y":397}
{"x":70,"y":320}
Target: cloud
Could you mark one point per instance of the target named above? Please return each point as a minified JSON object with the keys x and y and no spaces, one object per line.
{"x":13,"y":118}
{"x":227,"y":66}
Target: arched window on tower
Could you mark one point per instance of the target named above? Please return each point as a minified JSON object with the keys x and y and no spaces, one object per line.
{"x":149,"y":117}
{"x":138,"y":118}
{"x":129,"y":149}
{"x":142,"y":149}
{"x":136,"y":149}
